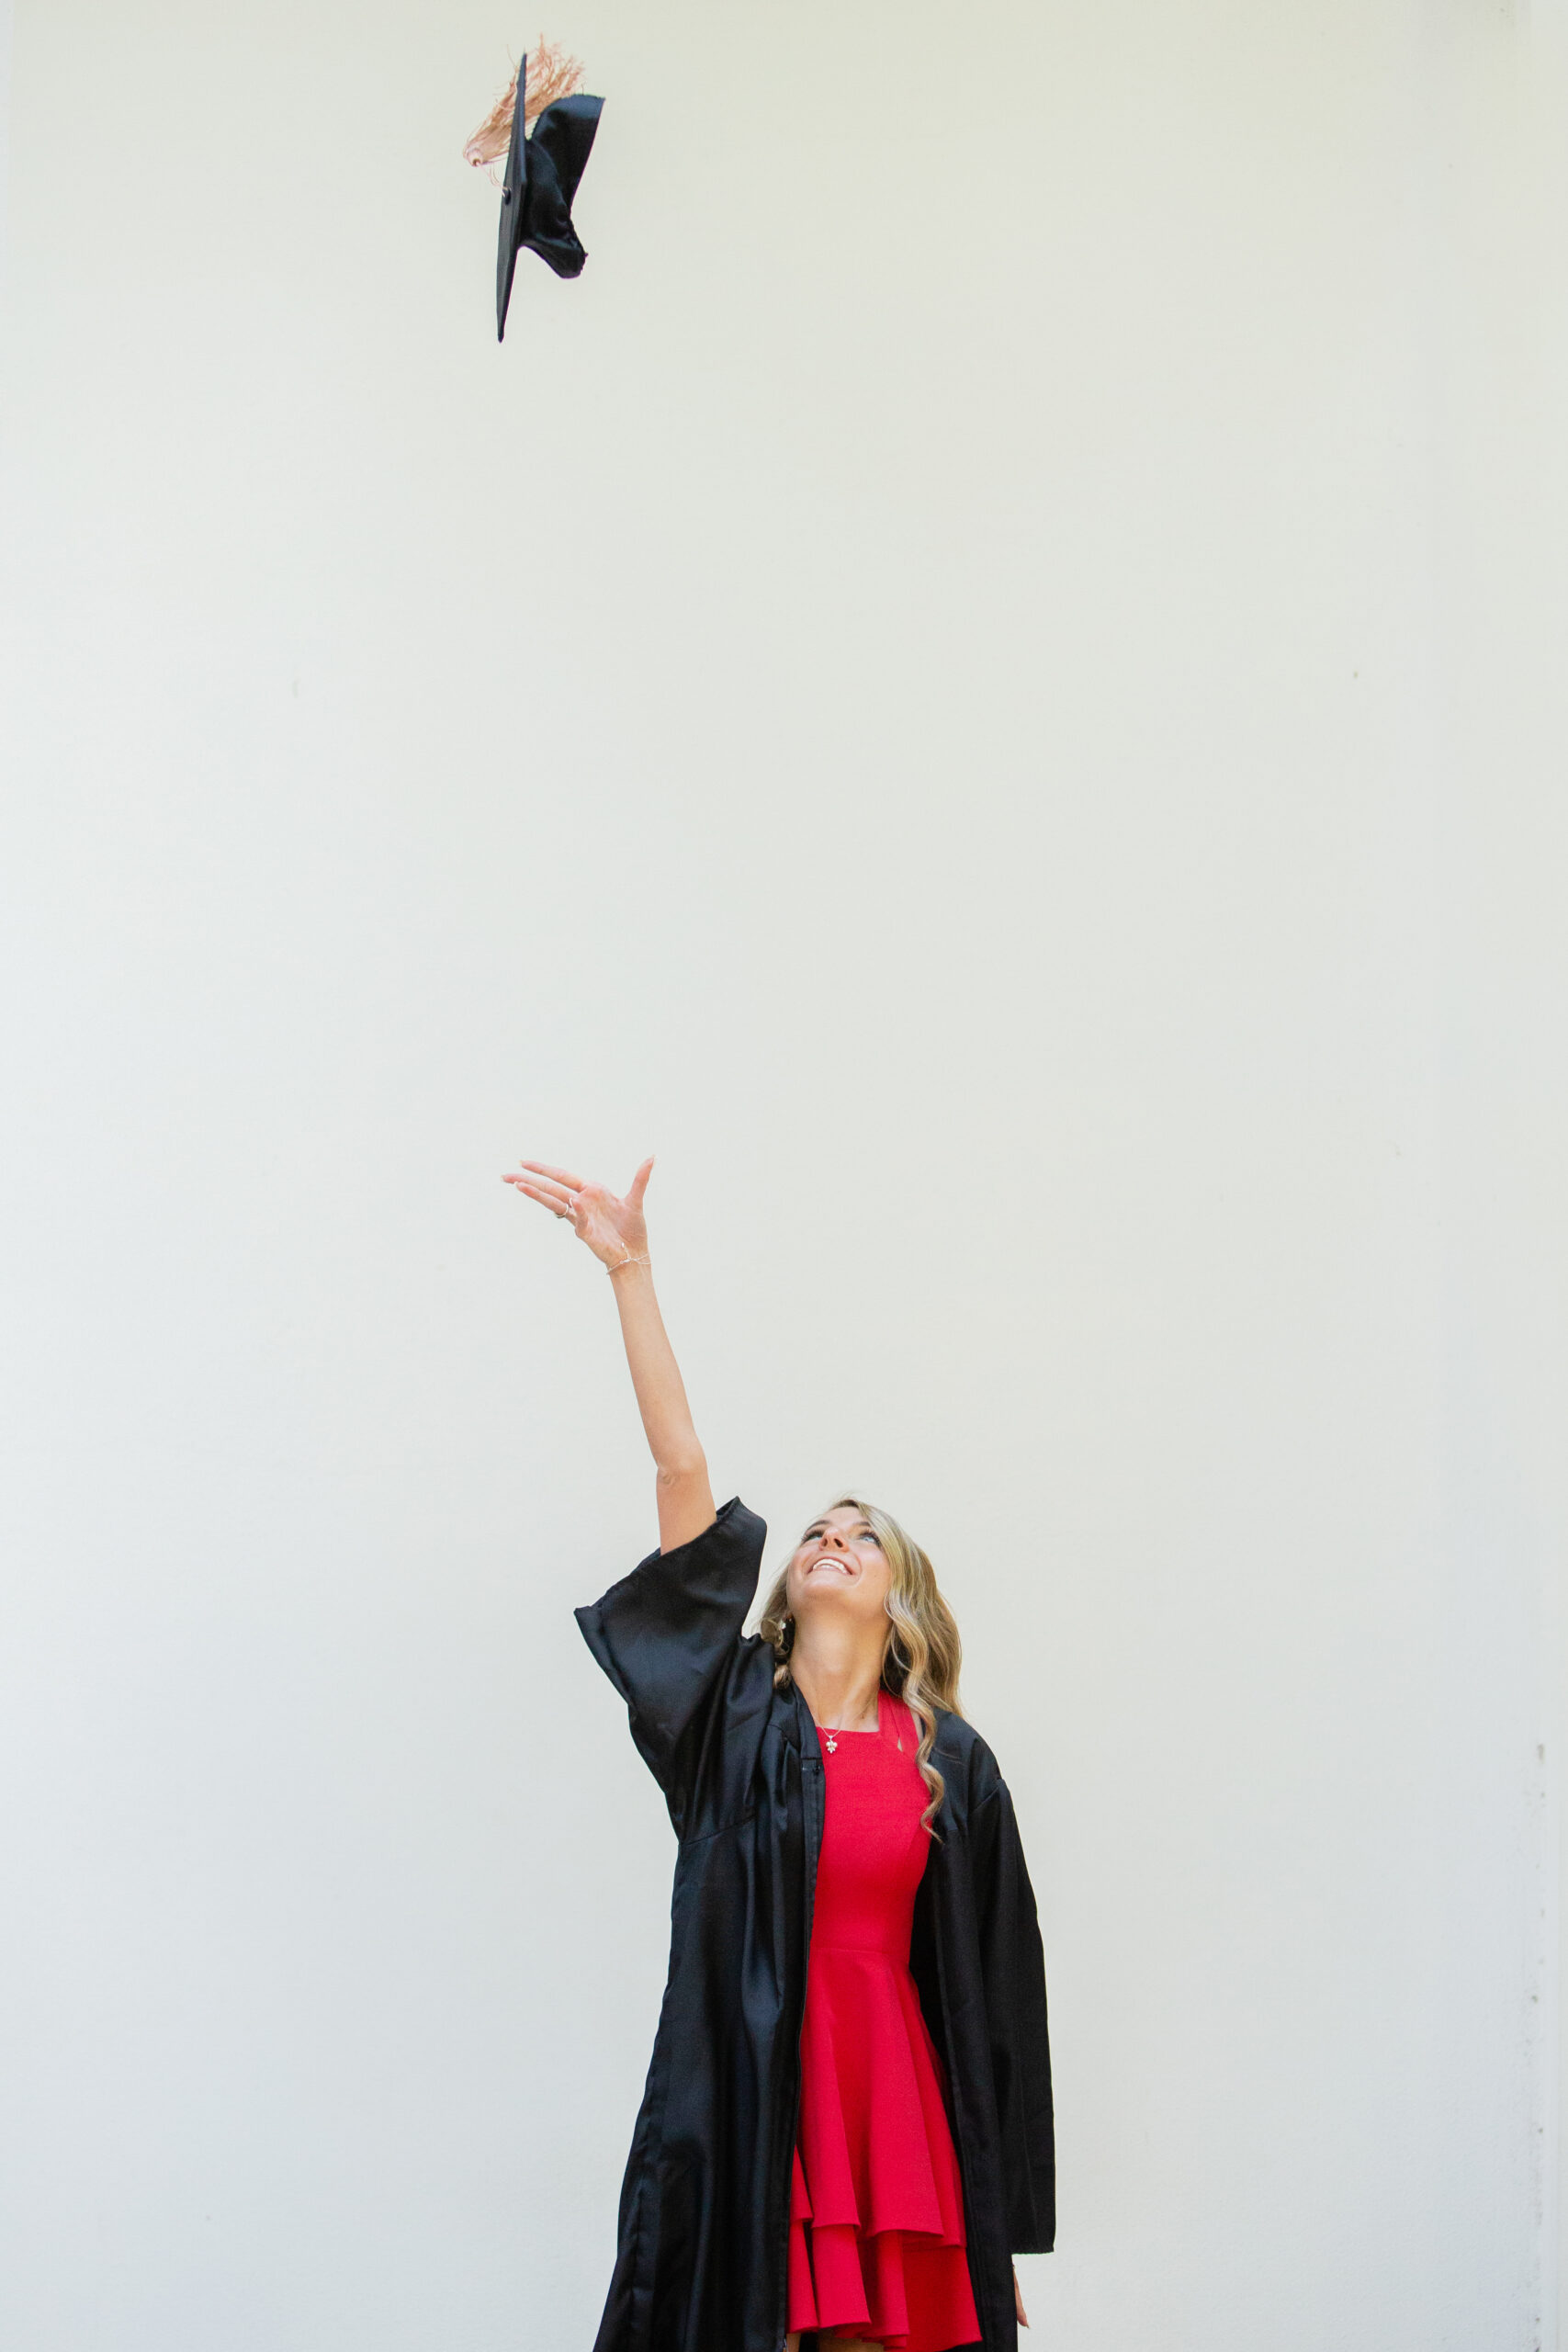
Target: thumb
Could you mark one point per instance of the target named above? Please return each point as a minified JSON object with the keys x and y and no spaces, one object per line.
{"x":639,"y":1183}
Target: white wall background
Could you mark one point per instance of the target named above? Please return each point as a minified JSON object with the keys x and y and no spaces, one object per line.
{"x":986,"y":685}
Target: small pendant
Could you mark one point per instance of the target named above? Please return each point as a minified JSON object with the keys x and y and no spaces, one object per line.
{"x":833,"y":1744}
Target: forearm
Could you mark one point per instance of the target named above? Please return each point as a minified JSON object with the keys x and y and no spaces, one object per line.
{"x":685,"y":1498}
{"x":616,"y":1231}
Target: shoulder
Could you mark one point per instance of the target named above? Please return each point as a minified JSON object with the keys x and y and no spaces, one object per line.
{"x":960,"y":1753}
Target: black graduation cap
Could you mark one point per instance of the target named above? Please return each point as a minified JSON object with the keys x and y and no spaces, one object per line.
{"x":542,"y":174}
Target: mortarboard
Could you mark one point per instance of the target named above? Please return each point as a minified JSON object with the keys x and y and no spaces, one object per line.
{"x":542,"y":174}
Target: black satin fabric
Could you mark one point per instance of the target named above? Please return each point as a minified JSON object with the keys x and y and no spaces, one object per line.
{"x":542,"y":174}
{"x":701,"y":2260}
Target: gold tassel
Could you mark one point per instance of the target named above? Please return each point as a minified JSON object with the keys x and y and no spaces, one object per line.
{"x":552,"y":74}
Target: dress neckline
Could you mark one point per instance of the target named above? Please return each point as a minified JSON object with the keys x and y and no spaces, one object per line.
{"x":833,"y":1731}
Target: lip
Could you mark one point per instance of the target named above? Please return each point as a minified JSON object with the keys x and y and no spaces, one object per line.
{"x":832,"y":1560}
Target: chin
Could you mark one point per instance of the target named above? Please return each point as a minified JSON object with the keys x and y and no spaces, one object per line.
{"x":850,"y":1604}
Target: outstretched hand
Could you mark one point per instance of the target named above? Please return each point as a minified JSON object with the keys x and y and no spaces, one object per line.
{"x":614,"y":1229}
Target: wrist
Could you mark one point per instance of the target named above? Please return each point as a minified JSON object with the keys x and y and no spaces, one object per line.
{"x":634,"y":1264}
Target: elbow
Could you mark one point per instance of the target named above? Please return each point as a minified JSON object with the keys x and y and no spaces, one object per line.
{"x":682,"y":1469}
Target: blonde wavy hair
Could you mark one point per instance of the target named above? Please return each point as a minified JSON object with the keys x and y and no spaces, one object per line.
{"x":923,"y":1656}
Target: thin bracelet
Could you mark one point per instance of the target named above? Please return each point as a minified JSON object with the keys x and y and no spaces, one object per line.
{"x":624,"y":1262}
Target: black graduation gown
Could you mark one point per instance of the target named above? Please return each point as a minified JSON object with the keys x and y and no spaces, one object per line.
{"x":701,"y":2259}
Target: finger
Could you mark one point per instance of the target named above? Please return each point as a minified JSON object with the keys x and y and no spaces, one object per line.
{"x":544,"y":1201}
{"x":556,"y":1183}
{"x":555,"y":1191}
{"x":534,"y":1194}
{"x":638,"y":1185}
{"x":562,"y":1175}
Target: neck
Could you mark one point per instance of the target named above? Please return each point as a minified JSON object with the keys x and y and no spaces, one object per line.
{"x":836,"y":1668}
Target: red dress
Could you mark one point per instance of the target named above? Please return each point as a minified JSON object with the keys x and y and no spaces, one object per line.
{"x":876,"y":2221}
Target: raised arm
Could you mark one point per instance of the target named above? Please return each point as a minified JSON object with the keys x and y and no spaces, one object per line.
{"x":616,"y":1233}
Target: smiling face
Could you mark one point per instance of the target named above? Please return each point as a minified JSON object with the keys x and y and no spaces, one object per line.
{"x":839,"y":1565}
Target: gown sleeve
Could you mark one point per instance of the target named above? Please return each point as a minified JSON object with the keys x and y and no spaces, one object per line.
{"x":664,"y":1634}
{"x":1013,"y":1970}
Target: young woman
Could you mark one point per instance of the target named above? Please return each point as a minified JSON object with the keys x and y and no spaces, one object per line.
{"x":847,"y":2130}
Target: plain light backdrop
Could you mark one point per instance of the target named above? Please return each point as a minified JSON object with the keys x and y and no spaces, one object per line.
{"x":984,"y":685}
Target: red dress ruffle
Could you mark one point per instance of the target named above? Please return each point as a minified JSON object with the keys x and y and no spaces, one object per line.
{"x":876,"y":2219}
